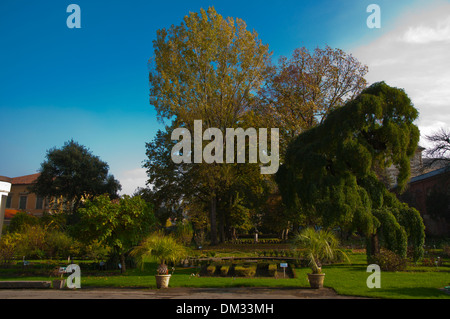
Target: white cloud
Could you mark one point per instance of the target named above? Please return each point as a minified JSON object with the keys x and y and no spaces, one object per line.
{"x":131,"y":180}
{"x":440,"y":31}
{"x":415,"y":56}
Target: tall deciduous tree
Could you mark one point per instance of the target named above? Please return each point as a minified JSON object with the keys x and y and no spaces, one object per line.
{"x":207,"y":68}
{"x":301,"y":91}
{"x":330,"y":177}
{"x":439,"y":153}
{"x":73,"y":173}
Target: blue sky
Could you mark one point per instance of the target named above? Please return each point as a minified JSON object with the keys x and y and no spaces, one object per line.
{"x":91,"y":84}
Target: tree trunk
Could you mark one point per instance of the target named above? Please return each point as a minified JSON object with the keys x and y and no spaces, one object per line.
{"x":374,"y":244}
{"x":233,"y":235}
{"x":221,"y":226}
{"x":123,"y":269}
{"x":213,"y":221}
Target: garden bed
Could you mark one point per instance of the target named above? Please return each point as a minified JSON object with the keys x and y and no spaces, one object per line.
{"x":247,"y":269}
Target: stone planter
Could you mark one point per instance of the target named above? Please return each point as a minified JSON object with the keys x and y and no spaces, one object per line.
{"x":162,"y":281}
{"x":316,"y":280}
{"x":59,"y":283}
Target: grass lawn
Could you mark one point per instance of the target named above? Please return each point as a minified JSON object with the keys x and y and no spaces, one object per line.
{"x":345,"y":279}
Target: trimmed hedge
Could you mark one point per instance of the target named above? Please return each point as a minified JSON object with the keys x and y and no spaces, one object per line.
{"x":272,"y":269}
{"x":211,"y":269}
{"x":245,"y":270}
{"x":224,"y":269}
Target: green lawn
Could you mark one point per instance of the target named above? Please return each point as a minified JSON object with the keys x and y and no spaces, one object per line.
{"x":345,"y":279}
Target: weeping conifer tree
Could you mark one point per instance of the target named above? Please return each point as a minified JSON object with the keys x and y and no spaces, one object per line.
{"x":331,"y":172}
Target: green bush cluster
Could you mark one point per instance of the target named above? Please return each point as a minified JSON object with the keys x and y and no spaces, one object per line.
{"x":39,"y":242}
{"x":272,"y":269}
{"x":35,"y":242}
{"x":211,"y":269}
{"x":277,"y":253}
{"x":224,"y":269}
{"x":260,"y":241}
{"x":245,"y":270}
{"x":389,"y":261}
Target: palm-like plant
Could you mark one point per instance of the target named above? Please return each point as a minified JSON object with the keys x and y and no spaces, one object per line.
{"x":320,"y":246}
{"x":161,"y":248}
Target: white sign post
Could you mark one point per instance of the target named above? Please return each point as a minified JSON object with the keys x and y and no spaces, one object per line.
{"x":284,"y":266}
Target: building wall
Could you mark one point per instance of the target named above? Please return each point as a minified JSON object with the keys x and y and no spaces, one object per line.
{"x":417,"y":196}
{"x":18,"y":190}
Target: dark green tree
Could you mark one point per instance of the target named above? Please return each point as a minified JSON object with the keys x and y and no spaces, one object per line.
{"x":73,"y":173}
{"x":330,"y":173}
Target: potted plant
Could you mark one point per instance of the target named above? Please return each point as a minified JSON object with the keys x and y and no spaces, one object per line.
{"x":319,"y":246}
{"x":163,"y":249}
{"x":58,"y":282}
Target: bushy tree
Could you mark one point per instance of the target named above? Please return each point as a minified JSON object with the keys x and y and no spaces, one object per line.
{"x":119,"y":224}
{"x":330,"y":176}
{"x":73,"y":173}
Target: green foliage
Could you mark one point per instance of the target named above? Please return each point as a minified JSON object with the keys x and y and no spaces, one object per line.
{"x":96,"y":251}
{"x":21,"y":220}
{"x":245,"y":270}
{"x":59,"y":244}
{"x":184,"y":232}
{"x":224,"y":269}
{"x":120,"y":224}
{"x":35,"y":241}
{"x":272,"y":269}
{"x":8,"y":247}
{"x":332,"y":171}
{"x":211,"y":269}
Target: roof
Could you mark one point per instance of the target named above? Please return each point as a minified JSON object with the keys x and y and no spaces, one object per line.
{"x":5,"y":179}
{"x":27,"y":179}
{"x":429,"y":174}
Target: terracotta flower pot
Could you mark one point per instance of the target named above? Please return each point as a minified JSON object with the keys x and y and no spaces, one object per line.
{"x":162,"y":281}
{"x":316,"y":280}
{"x":59,"y":283}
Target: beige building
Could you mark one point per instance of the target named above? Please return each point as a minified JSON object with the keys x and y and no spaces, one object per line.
{"x":21,"y":199}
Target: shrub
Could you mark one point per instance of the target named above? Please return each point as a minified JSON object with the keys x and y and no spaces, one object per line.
{"x":184,"y":232}
{"x":22,"y":220}
{"x":8,"y":245}
{"x":97,"y":251}
{"x":224,"y":269}
{"x":245,"y":270}
{"x":272,"y":269}
{"x":389,"y":261}
{"x":58,"y":244}
{"x":32,"y":242}
{"x":211,"y":269}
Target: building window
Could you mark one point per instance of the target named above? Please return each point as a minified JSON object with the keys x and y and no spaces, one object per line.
{"x":23,"y":202}
{"x":39,"y":202}
{"x":8,"y":201}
